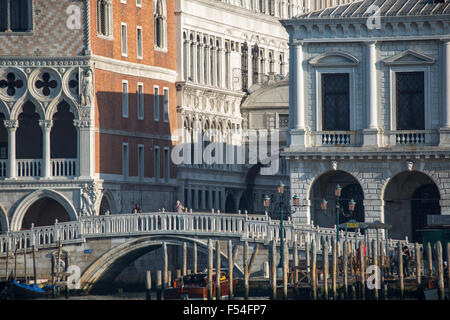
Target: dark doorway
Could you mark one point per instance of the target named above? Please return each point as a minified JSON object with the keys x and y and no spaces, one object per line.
{"x":355,"y":192}
{"x":229,"y":204}
{"x":425,"y":201}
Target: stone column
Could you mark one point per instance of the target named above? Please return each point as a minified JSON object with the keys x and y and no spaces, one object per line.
{"x":210,"y":199}
{"x":86,"y":148}
{"x":195,"y":200}
{"x":201,"y":60}
{"x":216,"y":200}
{"x":194,"y":62}
{"x":296,"y":95}
{"x":46,"y":126}
{"x":371,"y":132}
{"x":11,"y":126}
{"x":445,"y":129}
{"x":187,"y":67}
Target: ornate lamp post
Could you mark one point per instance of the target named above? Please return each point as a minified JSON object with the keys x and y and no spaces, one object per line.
{"x":339,"y":208}
{"x":280,"y":206}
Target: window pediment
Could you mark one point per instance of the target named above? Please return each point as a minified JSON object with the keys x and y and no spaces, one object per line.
{"x":334,"y":59}
{"x":409,"y":57}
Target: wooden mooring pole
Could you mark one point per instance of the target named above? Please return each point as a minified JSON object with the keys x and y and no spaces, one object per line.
{"x":440,"y":270}
{"x":218,"y":292}
{"x":400,"y":270}
{"x":148,"y":285}
{"x":184,"y":269}
{"x":195,"y":258}
{"x":448,"y":266}
{"x":246,"y":275}
{"x":314,"y":270}
{"x":325,"y":268}
{"x":273,"y":269}
{"x":362,"y":270}
{"x":34,"y":265}
{"x":334,"y":269}
{"x":295,"y":254}
{"x":430,"y":260}
{"x":230,"y":270}
{"x":418,"y":265}
{"x":25,"y":261}
{"x":375,"y":263}
{"x":345,"y":267}
{"x":285,"y":269}
{"x":7,"y":260}
{"x":158,"y":284}
{"x":210,"y":270}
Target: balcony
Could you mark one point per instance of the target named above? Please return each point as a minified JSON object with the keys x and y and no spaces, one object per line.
{"x":334,"y":138}
{"x":33,"y":168}
{"x":413,"y":137}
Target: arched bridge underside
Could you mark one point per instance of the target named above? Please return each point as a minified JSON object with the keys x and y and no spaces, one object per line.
{"x":109,"y":265}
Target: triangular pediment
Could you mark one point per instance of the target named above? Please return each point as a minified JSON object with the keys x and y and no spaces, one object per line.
{"x":334,"y":59}
{"x":409,"y":57}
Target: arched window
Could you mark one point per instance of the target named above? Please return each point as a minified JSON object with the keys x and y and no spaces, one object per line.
{"x":104,"y":17}
{"x":160,"y":24}
{"x":185,"y":56}
{"x":281,"y":65}
{"x":199,"y":57}
{"x":218,"y":64}
{"x":205,"y":61}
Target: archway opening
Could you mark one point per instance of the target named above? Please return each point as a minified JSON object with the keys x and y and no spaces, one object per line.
{"x":229,"y":204}
{"x":104,"y":206}
{"x":44,"y":212}
{"x":243,"y":203}
{"x":3,"y":138}
{"x":409,"y":197}
{"x":63,"y":136}
{"x":29,"y":134}
{"x":324,"y":188}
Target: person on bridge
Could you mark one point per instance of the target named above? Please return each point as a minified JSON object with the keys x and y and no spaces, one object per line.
{"x":137,"y":209}
{"x":180,"y":207}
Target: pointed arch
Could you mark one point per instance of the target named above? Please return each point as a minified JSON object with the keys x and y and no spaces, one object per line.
{"x":18,"y":105}
{"x":53,"y":106}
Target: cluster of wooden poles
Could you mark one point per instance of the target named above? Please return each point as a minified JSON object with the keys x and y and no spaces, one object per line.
{"x":385,"y":268}
{"x":346,"y":271}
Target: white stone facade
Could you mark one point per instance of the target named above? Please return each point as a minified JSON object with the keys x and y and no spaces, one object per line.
{"x":373,"y":150}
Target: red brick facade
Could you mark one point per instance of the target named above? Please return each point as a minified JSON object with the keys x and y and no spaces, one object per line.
{"x":112,"y":128}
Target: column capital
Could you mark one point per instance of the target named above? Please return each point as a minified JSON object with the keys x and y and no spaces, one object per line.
{"x":296,"y":43}
{"x":11,"y":124}
{"x":46,"y":124}
{"x":82,"y":123}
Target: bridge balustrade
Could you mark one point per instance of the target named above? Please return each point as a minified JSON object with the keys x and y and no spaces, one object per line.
{"x":259,"y":228}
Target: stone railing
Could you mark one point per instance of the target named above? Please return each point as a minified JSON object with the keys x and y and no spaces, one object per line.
{"x":259,"y":228}
{"x":29,"y":167}
{"x":334,"y":138}
{"x":413,"y":137}
{"x":64,"y":167}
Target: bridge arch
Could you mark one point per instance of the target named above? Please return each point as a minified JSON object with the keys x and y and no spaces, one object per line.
{"x":29,"y":200}
{"x":111,"y":263}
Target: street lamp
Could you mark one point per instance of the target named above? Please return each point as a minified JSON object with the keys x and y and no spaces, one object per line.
{"x":280,"y":206}
{"x":339,"y":209}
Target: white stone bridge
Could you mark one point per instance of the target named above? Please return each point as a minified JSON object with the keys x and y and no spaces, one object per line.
{"x":102,"y":246}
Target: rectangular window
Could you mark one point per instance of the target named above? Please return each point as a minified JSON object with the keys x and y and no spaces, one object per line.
{"x":104,"y":22}
{"x":166,"y":104}
{"x":140,"y":101}
{"x":410,"y":100}
{"x":166,"y":164}
{"x":139,"y":3}
{"x":157,"y":164}
{"x":125,"y":160}
{"x":19,"y":16}
{"x":140,"y":161}
{"x":156,"y":102}
{"x":139,"y":42}
{"x":123,"y":1}
{"x":125,"y":99}
{"x":336,"y":102}
{"x":124,"y":40}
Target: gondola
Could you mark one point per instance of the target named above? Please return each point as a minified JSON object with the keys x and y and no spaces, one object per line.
{"x":22,"y":291}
